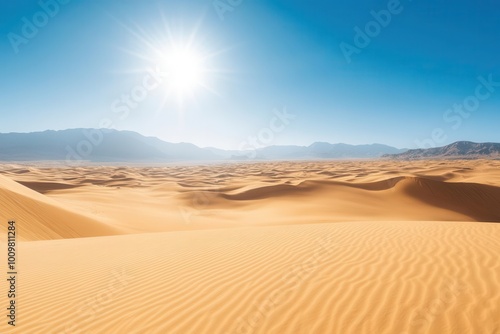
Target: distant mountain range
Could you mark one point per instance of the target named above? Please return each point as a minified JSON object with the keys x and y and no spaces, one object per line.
{"x":125,"y":146}
{"x":458,"y":150}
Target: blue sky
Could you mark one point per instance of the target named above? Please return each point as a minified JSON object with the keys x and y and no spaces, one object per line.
{"x":399,"y":88}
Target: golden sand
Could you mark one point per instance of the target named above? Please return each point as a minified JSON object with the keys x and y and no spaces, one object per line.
{"x":282,"y":247}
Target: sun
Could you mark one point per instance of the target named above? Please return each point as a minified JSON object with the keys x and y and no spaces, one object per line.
{"x":182,"y":70}
{"x":183,"y":63}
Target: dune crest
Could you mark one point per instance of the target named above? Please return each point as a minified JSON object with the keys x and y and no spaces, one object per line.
{"x":40,"y":217}
{"x":323,"y":247}
{"x":232,"y":195}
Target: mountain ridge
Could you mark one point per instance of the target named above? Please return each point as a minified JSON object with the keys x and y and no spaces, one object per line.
{"x":459,"y":149}
{"x":109,"y":145}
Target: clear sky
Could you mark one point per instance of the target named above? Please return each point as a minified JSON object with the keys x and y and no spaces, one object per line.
{"x":356,"y":72}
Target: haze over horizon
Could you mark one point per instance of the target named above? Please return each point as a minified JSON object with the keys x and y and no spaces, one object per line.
{"x":220,"y":74}
{"x":89,"y":133}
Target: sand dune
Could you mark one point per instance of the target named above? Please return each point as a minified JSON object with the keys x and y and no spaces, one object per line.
{"x":298,"y":247}
{"x":235,"y":195}
{"x":357,"y":277}
{"x":41,"y":217}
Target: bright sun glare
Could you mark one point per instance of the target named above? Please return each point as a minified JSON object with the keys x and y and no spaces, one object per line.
{"x":182,"y":70}
{"x":183,"y":61}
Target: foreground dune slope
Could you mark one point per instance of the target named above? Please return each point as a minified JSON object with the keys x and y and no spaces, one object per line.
{"x":40,"y":217}
{"x":355,"y":277}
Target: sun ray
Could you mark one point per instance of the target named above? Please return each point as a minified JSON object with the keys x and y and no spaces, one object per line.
{"x":184,"y":64}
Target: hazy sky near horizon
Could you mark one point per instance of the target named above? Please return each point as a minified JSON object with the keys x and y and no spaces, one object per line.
{"x":347,"y":71}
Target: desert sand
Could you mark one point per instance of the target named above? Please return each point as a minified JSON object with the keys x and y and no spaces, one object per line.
{"x":275,"y":247}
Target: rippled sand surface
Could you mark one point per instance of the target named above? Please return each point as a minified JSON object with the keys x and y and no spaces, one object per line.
{"x":277,"y":247}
